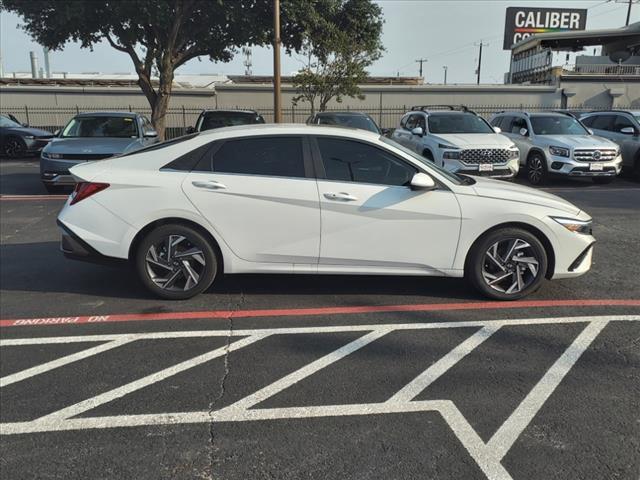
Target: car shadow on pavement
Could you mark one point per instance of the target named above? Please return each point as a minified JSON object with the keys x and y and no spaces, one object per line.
{"x":40,"y":267}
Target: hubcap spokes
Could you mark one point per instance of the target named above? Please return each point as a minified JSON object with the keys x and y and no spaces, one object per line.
{"x":535,"y":170}
{"x":175,"y":263}
{"x":509,"y":266}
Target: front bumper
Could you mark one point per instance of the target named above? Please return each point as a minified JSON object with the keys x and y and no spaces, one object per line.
{"x":35,"y":145}
{"x":502,"y":170}
{"x":572,"y":168}
{"x":56,"y":172}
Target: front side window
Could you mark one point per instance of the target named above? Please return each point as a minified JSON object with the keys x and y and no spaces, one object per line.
{"x":351,"y":161}
{"x":270,"y":156}
{"x":457,"y":123}
{"x":602,"y":122}
{"x":622,"y":122}
{"x":557,"y":125}
{"x":518,"y":124}
{"x":101,"y":126}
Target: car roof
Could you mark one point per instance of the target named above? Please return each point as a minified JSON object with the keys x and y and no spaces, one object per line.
{"x":289,"y":129}
{"x":229,"y":111}
{"x":107,"y":114}
{"x":346,"y":113}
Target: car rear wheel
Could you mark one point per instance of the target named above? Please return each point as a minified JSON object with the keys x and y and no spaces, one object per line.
{"x":537,"y":169}
{"x":507,"y":264}
{"x":602,"y":180}
{"x":176,"y":262}
{"x":14,"y":147}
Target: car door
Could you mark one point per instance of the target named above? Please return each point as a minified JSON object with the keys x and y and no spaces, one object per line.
{"x":523,"y":142}
{"x":259,"y":195}
{"x":600,"y":124}
{"x":402,"y":135}
{"x":628,"y":141}
{"x":372,"y":220}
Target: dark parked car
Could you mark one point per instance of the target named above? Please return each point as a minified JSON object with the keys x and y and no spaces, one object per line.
{"x":346,"y":119}
{"x":210,"y":119}
{"x":93,"y":136}
{"x":17,"y":140}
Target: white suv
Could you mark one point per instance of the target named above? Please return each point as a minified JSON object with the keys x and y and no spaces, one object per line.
{"x":458,"y":140}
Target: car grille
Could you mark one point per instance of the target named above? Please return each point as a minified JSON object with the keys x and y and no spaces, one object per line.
{"x":484,"y":155}
{"x":86,"y":156}
{"x":595,"y":155}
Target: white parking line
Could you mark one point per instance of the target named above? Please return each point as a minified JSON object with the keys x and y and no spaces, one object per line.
{"x":488,"y":455}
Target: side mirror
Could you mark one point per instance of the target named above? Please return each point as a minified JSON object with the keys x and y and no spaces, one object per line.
{"x":628,"y":130}
{"x":150,"y":134}
{"x":422,"y":181}
{"x":524,"y":132}
{"x":417,"y":131}
{"x":190,"y":130}
{"x":497,"y":129}
{"x":56,"y":133}
{"x":590,"y":131}
{"x":25,"y":124}
{"x":386,"y":132}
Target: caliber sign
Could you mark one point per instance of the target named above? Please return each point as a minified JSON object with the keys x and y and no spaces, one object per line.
{"x":522,"y":22}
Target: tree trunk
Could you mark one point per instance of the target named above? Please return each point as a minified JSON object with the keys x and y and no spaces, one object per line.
{"x":159,"y":114}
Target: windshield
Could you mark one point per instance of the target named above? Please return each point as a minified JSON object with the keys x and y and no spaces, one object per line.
{"x":161,"y":145}
{"x":211,"y":120}
{"x":458,"y":123}
{"x":453,"y":177}
{"x":556,"y":125}
{"x":7,"y":123}
{"x":362,"y":122}
{"x":101,"y":126}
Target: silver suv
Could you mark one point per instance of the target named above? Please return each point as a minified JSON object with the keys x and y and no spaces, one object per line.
{"x":556,"y":143}
{"x":458,"y":140}
{"x":622,"y":127}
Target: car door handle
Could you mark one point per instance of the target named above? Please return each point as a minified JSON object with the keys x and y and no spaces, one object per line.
{"x":342,"y":196}
{"x":209,"y":185}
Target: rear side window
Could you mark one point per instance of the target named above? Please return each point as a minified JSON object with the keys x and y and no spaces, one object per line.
{"x":497,"y":122}
{"x":602,"y":122}
{"x":350,"y":161}
{"x":269,"y":156}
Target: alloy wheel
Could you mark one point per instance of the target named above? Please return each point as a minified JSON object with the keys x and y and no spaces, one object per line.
{"x":13,"y":148}
{"x":535,"y":170}
{"x":175,"y":263}
{"x":510,"y":265}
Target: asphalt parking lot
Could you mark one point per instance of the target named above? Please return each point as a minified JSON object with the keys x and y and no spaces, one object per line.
{"x":284,"y":377}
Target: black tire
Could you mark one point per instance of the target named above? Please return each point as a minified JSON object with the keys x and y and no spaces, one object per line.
{"x":14,"y":147}
{"x":193,"y":241}
{"x":53,"y":189}
{"x":603,"y":180}
{"x":536,"y":170}
{"x":478,"y":264}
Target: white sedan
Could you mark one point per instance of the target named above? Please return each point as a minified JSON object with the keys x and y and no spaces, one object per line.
{"x":312,"y":199}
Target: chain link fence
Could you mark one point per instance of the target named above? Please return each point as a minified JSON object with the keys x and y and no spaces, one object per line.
{"x":180,"y":118}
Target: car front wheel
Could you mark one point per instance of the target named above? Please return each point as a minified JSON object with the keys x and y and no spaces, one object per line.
{"x":14,"y":147}
{"x":507,"y":264}
{"x":537,"y":169}
{"x":176,"y":262}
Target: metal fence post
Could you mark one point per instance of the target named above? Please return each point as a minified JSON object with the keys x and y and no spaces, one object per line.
{"x":293,"y":113}
{"x":77,"y":110}
{"x":184,"y":121}
{"x":26,"y":114}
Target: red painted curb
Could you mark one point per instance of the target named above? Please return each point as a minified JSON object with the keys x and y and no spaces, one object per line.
{"x":218,"y":314}
{"x":16,"y":198}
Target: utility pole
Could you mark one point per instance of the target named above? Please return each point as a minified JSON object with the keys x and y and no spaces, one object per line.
{"x":480,"y":59}
{"x":421,"y":61}
{"x":445,"y":68}
{"x":277,"y":104}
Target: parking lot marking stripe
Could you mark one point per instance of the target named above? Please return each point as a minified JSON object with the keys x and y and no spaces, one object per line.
{"x":512,"y":428}
{"x":59,"y":362}
{"x":306,"y":371}
{"x":226,"y":314}
{"x":119,"y":392}
{"x":439,"y":368}
{"x":318,"y":329}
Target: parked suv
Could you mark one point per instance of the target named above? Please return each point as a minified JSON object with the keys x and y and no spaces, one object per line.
{"x":92,"y":136}
{"x":556,"y":143}
{"x":622,"y":127}
{"x":458,"y":140}
{"x":345,"y":119}
{"x":211,"y":119}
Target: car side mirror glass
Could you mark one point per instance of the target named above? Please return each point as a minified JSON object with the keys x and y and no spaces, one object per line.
{"x":417,"y":131}
{"x":524,"y":132}
{"x":422,"y":181}
{"x":25,"y":124}
{"x":190,"y":130}
{"x":497,"y":129}
{"x":56,"y":133}
{"x":150,"y":134}
{"x":386,"y":132}
{"x":627,"y":130}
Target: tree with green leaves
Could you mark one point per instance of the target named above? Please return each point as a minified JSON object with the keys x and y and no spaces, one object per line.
{"x":340,"y":41}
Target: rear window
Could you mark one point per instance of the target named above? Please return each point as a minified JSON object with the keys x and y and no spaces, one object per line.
{"x":362,"y":122}
{"x":270,"y":156}
{"x":211,"y":120}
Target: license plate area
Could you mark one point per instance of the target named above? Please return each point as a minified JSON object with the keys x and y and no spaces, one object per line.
{"x":596,"y":167}
{"x":485,"y":167}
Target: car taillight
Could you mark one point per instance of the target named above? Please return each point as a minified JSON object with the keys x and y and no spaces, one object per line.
{"x":86,"y":189}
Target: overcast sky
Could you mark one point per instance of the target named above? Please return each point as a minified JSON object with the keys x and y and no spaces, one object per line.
{"x":444,"y":32}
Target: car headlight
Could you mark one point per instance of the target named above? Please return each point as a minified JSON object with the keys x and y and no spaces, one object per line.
{"x":452,"y":155}
{"x":447,"y":147}
{"x":573,"y":225}
{"x":29,"y":137}
{"x":513,"y":152}
{"x":559,"y":151}
{"x":51,"y":155}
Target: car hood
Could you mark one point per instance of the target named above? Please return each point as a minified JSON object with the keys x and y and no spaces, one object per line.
{"x":94,"y":145}
{"x":485,"y":187}
{"x":36,"y":132}
{"x":482,"y":140}
{"x":576,"y":141}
